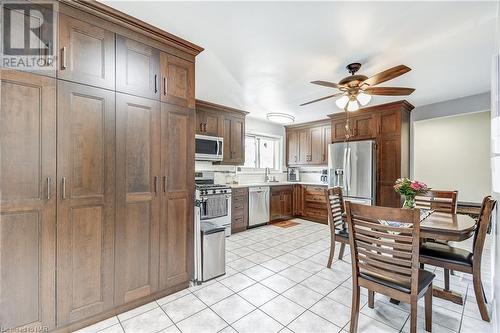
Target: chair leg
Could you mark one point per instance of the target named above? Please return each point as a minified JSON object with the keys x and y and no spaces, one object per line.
{"x":428,"y":309}
{"x":481,"y":300}
{"x":371,"y":299}
{"x":446,"y":279}
{"x":413,"y":316}
{"x":341,"y":252}
{"x":354,"y":310}
{"x":332,"y":253}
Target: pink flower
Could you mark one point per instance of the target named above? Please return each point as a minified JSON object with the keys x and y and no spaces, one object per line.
{"x":416,"y":186}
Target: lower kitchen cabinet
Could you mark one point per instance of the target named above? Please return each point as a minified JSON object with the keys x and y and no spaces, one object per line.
{"x":239,"y":209}
{"x":281,"y":202}
{"x":311,"y":202}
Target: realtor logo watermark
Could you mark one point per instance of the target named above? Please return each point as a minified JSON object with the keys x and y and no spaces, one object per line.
{"x":28,"y":35}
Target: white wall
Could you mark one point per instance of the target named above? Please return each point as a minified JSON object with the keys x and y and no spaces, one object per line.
{"x":453,"y":153}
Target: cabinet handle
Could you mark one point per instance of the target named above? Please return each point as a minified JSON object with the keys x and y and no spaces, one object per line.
{"x":201,"y":127}
{"x":295,"y":158}
{"x":156,"y":184}
{"x":165,"y":85}
{"x":48,"y":187}
{"x":205,"y":127}
{"x":63,"y":195}
{"x":156,"y":83}
{"x":164,"y":184}
{"x":63,"y":58}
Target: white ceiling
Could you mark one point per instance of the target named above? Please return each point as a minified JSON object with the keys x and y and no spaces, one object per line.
{"x":261,"y":56}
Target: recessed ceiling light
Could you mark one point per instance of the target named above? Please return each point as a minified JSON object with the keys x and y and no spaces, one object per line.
{"x":280,"y":118}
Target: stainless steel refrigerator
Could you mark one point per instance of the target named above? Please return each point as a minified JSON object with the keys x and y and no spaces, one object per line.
{"x":351,"y":165}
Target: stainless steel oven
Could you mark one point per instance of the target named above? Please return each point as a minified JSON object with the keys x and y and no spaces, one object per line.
{"x":208,"y":148}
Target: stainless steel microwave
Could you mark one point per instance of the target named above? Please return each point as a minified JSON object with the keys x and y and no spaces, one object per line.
{"x":208,"y":148}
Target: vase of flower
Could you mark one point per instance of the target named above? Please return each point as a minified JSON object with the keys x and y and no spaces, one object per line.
{"x":409,"y":189}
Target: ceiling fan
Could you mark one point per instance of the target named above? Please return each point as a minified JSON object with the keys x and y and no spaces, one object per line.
{"x":356,"y":90}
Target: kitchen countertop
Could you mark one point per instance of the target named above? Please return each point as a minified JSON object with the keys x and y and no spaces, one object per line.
{"x":276,"y":184}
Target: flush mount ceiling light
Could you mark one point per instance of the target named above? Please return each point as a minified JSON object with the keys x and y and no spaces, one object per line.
{"x":280,"y":118}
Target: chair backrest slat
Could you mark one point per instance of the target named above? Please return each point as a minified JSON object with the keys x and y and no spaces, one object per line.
{"x":440,"y":201}
{"x":335,"y":200}
{"x":384,"y":251}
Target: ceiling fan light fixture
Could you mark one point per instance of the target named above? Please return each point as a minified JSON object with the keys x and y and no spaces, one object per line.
{"x":280,"y":118}
{"x":342,"y":101}
{"x":363,"y":98}
{"x":353,"y":105}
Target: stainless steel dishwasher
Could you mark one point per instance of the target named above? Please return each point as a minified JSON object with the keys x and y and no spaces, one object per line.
{"x":258,"y":206}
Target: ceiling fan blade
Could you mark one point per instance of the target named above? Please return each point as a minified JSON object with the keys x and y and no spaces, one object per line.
{"x":388,"y":91}
{"x":386,"y":75}
{"x":328,"y":84}
{"x":320,"y":99}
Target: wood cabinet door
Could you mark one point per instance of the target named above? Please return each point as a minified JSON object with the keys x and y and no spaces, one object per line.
{"x":389,"y":123}
{"x":292,"y":143}
{"x":304,"y":146}
{"x":28,"y":201}
{"x":388,"y":170}
{"x":177,"y":80}
{"x":287,"y":202}
{"x":276,"y":208}
{"x":212,"y":123}
{"x":363,"y":127}
{"x":138,"y":197}
{"x":200,"y":121}
{"x":86,"y":200}
{"x":177,"y":215}
{"x":137,"y":68}
{"x":238,"y":140}
{"x":298,"y":199}
{"x":338,"y":131}
{"x":317,"y":145}
{"x":327,"y":139}
{"x":87,"y":53}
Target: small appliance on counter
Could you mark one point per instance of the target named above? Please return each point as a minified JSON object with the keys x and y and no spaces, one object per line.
{"x":292,"y":174}
{"x":324,"y":176}
{"x":213,"y":251}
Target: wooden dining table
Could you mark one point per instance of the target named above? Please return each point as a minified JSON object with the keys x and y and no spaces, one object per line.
{"x":441,"y":226}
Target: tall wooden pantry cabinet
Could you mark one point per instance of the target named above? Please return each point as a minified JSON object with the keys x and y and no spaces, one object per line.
{"x":96,"y":172}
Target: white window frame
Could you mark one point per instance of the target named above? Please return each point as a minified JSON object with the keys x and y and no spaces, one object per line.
{"x":278,"y":162}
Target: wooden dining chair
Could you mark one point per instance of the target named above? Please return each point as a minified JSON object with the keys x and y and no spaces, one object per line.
{"x":440,"y":201}
{"x":337,"y":222}
{"x":385,"y":259}
{"x":453,"y":258}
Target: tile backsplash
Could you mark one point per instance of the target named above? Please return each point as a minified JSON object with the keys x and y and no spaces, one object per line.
{"x":229,"y":173}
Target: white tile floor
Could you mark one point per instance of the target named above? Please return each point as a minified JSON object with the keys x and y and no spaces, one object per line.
{"x":277,"y":281}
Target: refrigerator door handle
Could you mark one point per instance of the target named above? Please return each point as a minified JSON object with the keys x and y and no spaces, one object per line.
{"x":344,"y":173}
{"x":348,"y":177}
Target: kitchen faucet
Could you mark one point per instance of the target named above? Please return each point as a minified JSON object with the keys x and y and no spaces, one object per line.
{"x":267,"y":177}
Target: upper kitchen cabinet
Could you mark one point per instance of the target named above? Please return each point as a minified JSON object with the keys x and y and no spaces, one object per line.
{"x":234,"y":140}
{"x":177,"y":86}
{"x":137,"y":68}
{"x":307,"y":143}
{"x":208,"y":120}
{"x":218,"y":120}
{"x":388,"y":125}
{"x":87,"y":53}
